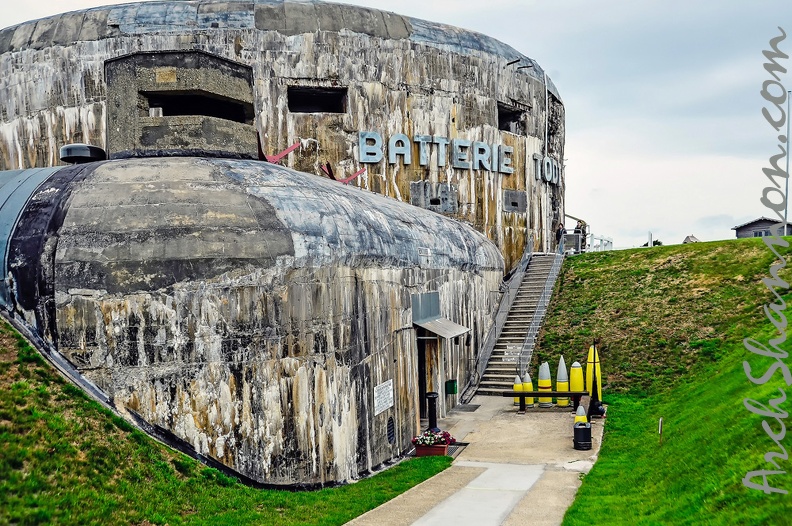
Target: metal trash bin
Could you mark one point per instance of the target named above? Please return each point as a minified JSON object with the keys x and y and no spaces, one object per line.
{"x":582,"y":436}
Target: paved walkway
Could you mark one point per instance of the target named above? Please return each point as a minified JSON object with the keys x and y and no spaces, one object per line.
{"x":516,"y":470}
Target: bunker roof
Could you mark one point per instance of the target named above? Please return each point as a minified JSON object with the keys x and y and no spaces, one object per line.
{"x":289,"y":17}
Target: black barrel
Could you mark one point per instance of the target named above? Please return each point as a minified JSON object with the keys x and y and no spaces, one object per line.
{"x":582,"y":436}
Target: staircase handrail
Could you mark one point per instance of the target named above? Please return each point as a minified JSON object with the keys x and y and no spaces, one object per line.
{"x":526,"y":351}
{"x":509,"y":290}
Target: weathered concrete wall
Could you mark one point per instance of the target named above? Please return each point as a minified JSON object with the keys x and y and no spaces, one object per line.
{"x":403,"y":75}
{"x":249,"y":309}
{"x":220,"y":93}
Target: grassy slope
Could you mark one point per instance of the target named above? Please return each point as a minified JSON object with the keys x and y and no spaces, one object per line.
{"x":66,"y":460}
{"x":672,"y":321}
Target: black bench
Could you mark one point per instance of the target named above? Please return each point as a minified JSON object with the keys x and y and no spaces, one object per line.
{"x":575,"y":396}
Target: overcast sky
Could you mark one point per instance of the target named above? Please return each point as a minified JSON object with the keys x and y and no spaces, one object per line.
{"x":664,"y":125}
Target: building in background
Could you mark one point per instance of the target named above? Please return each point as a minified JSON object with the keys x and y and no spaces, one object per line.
{"x":763,"y":226}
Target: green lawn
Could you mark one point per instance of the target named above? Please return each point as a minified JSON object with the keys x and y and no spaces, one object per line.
{"x":672,"y":321}
{"x":66,"y":460}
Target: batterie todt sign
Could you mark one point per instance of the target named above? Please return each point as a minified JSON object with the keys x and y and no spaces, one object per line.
{"x":461,"y":154}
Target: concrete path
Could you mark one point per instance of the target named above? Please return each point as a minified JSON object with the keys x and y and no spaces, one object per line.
{"x":516,"y":470}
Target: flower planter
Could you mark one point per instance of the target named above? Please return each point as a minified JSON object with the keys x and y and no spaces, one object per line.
{"x":429,"y":451}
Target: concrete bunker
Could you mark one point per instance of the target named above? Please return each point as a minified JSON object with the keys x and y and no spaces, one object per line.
{"x":179,"y":103}
{"x":264,"y":315}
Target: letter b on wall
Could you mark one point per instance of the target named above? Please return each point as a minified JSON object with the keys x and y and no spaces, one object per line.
{"x":370,"y":147}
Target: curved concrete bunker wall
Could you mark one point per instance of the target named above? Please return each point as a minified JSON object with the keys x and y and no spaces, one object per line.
{"x":451,"y":106}
{"x":249,"y":309}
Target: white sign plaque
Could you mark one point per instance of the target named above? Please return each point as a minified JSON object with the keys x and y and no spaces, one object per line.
{"x":383,"y":397}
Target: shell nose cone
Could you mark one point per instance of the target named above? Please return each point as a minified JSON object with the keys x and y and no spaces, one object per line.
{"x":527,"y":379}
{"x":562,"y":375}
{"x":544,"y":371}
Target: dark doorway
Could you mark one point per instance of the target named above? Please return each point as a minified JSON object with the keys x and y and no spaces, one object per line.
{"x":421,"y":333}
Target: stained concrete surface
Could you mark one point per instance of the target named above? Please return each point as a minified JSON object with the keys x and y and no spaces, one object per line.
{"x":517,"y":469}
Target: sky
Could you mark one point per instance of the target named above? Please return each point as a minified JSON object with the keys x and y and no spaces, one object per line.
{"x":665,"y":132}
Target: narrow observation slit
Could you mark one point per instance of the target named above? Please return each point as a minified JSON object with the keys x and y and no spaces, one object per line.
{"x":317,"y":100}
{"x":168,"y":104}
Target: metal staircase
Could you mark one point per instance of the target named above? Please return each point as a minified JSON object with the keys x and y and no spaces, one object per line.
{"x":514,"y":346}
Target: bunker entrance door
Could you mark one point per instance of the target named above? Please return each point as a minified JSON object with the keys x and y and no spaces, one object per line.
{"x":428,"y":367}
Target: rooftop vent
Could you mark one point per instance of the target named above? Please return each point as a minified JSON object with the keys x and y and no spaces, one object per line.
{"x":81,"y":154}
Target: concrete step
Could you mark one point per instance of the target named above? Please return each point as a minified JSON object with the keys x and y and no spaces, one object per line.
{"x":504,"y":385}
{"x":495,"y":380}
{"x":504,"y":361}
{"x":503,"y":356}
{"x":501,"y":368}
{"x":528,"y":297}
{"x":512,"y":335}
{"x":526,"y":309}
{"x":490,"y":391}
{"x":524,"y":303}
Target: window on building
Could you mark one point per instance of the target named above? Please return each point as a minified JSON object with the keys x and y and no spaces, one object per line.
{"x":511,"y":119}
{"x":317,"y":100}
{"x":172,"y":103}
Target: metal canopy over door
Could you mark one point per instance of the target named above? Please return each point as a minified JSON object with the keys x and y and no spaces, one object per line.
{"x":431,"y":327}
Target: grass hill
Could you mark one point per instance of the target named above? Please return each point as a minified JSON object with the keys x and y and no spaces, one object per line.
{"x":66,"y":460}
{"x":672,"y":322}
